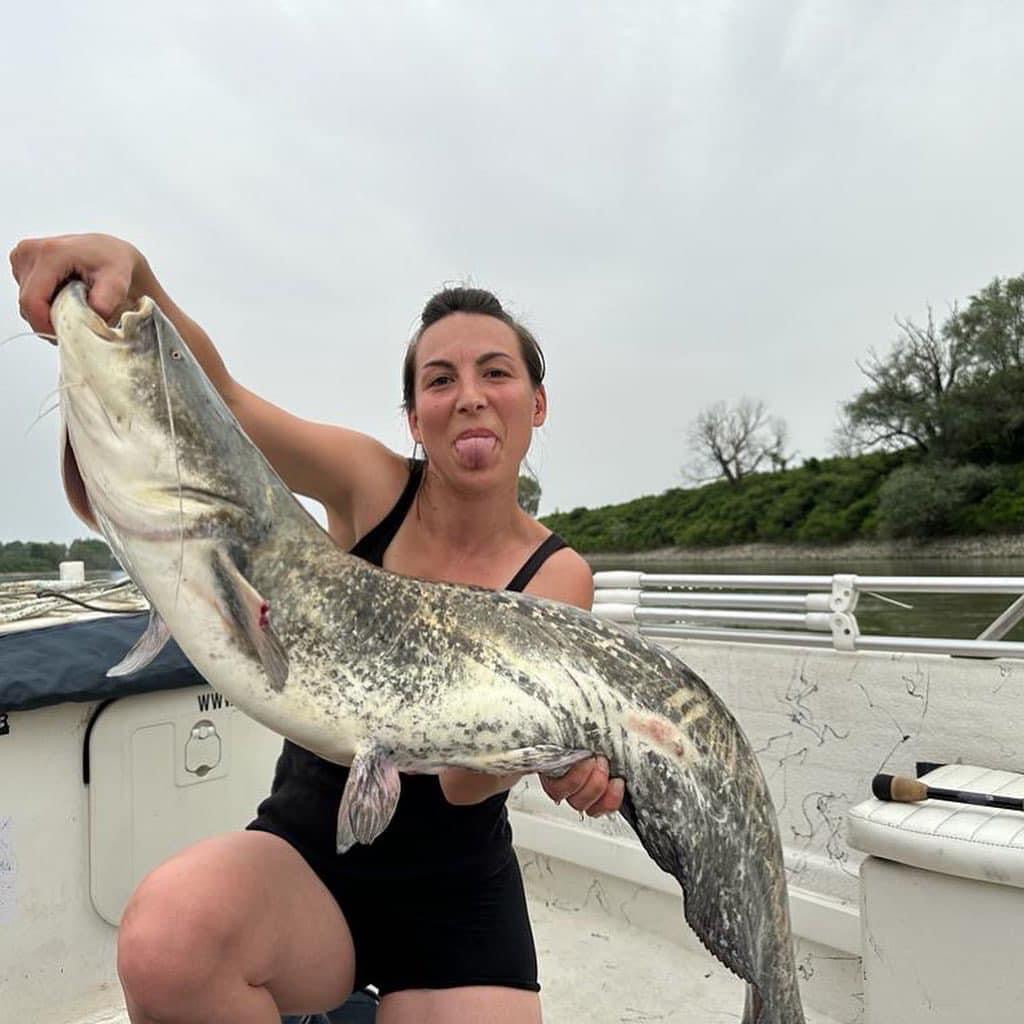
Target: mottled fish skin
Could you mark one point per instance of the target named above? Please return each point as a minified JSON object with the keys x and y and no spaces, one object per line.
{"x":401,"y":673}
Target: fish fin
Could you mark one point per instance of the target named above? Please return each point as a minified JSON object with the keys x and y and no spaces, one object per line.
{"x":251,"y":613}
{"x":146,"y":648}
{"x":370,"y":798}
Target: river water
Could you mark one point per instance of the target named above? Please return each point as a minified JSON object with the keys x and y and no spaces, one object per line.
{"x":937,"y":615}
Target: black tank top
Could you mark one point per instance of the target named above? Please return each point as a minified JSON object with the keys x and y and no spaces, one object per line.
{"x":427,"y":835}
{"x":372,"y":546}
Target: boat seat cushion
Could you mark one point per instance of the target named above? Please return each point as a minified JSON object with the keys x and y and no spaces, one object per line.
{"x":69,"y":662}
{"x":964,"y":840}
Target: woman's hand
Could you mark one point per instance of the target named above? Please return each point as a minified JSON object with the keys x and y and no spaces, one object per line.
{"x":115,"y":273}
{"x":587,"y":788}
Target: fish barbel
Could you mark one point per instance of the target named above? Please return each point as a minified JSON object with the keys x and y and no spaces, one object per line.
{"x":387,"y":673}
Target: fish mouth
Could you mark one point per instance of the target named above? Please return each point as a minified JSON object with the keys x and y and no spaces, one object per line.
{"x":71,"y":301}
{"x":79,"y":330}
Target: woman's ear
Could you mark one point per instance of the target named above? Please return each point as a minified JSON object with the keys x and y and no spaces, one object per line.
{"x":540,"y":406}
{"x":414,"y":426}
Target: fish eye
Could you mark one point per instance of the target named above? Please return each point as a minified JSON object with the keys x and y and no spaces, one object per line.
{"x":175,"y":353}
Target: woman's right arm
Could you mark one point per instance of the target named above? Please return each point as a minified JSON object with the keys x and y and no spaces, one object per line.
{"x":333,"y":465}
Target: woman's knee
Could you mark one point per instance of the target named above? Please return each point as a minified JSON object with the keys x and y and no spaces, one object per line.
{"x":177,"y":934}
{"x":232,"y":914}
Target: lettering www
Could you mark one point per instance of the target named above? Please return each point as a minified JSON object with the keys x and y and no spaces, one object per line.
{"x":212,"y":701}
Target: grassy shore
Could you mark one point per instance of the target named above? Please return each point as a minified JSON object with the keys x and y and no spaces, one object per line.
{"x":876,"y":506}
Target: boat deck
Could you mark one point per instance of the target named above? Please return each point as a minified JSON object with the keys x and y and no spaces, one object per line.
{"x":597,"y":967}
{"x":622,"y":974}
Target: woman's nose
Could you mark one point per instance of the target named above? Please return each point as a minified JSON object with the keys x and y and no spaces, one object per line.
{"x":471,"y":397}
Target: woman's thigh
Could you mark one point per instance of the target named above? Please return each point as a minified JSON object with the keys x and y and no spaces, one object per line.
{"x":473,"y":1004}
{"x":243,"y":907}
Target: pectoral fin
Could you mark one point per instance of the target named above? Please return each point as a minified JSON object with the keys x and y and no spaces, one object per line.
{"x":370,"y":798}
{"x":146,"y":648}
{"x":250,"y":612}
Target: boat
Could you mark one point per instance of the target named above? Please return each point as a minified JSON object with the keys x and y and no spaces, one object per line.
{"x":100,"y":780}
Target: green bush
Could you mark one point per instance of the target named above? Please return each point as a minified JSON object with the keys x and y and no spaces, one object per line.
{"x":824,"y":501}
{"x":928,"y":499}
{"x":41,"y":556}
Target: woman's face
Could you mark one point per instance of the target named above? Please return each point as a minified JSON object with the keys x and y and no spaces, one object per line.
{"x":475,"y":406}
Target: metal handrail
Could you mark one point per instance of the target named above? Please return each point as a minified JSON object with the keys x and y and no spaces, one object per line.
{"x":820,"y":621}
{"x":702,"y":599}
{"x":630,"y":580}
{"x":668,"y":605}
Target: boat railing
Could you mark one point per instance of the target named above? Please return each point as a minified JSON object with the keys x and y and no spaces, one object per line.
{"x":798,"y":611}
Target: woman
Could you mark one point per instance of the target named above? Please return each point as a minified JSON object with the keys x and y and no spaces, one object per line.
{"x":245,"y":926}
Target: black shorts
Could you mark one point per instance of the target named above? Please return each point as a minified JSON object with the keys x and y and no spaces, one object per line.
{"x":439,"y":932}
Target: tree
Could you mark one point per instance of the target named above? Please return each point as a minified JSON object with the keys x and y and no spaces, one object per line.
{"x":989,"y":410}
{"x":30,"y":556}
{"x":991,"y":327}
{"x":908,"y":398}
{"x":734,"y":441}
{"x":529,"y":493}
{"x":40,"y":556}
{"x":94,"y":553}
{"x":951,"y":392}
{"x":777,"y":443}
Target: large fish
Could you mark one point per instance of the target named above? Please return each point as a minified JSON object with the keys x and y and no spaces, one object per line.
{"x":388,"y":673}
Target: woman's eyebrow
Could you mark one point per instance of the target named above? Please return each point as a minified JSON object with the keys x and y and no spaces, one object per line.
{"x":446,"y":364}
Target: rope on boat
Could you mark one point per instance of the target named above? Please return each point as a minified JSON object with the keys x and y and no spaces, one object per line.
{"x":22,"y":600}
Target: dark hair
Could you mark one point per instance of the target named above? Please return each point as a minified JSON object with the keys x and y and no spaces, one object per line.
{"x":468,"y":300}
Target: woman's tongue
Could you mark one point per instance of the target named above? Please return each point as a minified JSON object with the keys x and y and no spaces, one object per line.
{"x":475,"y":452}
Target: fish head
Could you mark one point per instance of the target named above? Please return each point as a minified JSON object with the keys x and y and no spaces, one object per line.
{"x":149,"y":447}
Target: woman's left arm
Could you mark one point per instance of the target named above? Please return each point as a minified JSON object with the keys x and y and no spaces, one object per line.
{"x":462,"y":786}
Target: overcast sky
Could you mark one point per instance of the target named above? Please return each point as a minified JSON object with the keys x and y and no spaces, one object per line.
{"x":686,"y":202}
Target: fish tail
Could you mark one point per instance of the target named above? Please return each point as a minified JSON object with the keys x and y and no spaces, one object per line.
{"x":711,"y":825}
{"x":752,"y":1006}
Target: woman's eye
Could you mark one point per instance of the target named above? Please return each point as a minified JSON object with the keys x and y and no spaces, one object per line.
{"x":435,"y":381}
{"x":495,"y":371}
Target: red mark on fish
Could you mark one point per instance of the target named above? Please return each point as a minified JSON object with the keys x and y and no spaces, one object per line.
{"x":660,"y":733}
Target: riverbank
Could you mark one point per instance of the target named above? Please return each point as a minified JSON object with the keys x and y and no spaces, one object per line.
{"x":992,"y":546}
{"x":841,"y":507}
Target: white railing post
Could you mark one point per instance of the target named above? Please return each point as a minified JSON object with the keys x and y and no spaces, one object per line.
{"x":844,"y":623}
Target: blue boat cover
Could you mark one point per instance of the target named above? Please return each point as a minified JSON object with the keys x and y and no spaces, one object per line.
{"x":69,"y":662}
